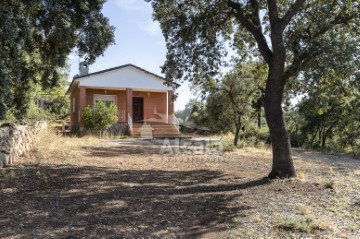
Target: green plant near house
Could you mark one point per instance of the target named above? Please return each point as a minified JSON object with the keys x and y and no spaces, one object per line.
{"x":100,"y":117}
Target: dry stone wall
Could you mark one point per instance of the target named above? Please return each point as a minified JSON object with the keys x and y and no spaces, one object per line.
{"x":17,"y":140}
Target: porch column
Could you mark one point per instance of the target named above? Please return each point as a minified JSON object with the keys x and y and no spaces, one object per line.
{"x":170,"y":105}
{"x":129,"y":99}
{"x":81,"y":102}
{"x":167,"y":107}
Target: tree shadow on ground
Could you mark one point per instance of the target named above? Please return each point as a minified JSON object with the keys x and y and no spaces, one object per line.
{"x":150,"y":147}
{"x":93,"y":202}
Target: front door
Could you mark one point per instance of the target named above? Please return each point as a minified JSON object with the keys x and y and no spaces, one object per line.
{"x":138,"y":109}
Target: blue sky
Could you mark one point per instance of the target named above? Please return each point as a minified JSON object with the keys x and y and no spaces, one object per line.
{"x":139,"y":41}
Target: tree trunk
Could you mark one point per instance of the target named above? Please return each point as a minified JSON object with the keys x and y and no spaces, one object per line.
{"x":283,"y":166}
{"x":325,"y":135}
{"x":314,"y":137}
{"x":236,"y":138}
{"x":259,"y":118}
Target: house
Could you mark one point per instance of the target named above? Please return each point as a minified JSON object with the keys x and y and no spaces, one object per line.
{"x":141,"y":97}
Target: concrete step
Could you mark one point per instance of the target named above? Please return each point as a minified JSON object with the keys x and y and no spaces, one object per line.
{"x":155,"y":130}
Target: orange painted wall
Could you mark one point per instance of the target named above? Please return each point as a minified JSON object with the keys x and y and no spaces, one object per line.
{"x":120,"y":98}
{"x":151,"y":101}
{"x":74,"y":115}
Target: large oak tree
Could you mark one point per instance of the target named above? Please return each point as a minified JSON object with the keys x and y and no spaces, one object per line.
{"x":290,"y":36}
{"x":36,"y":37}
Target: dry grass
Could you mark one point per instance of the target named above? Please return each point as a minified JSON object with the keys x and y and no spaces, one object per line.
{"x":88,"y":187}
{"x":52,"y":143}
{"x":301,"y":175}
{"x":304,"y":209}
{"x":53,"y":148}
{"x":301,"y":224}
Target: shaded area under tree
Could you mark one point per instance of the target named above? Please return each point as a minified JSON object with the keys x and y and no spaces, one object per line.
{"x":71,"y":202}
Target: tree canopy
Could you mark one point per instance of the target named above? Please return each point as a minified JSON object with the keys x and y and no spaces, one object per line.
{"x":36,"y":38}
{"x":236,"y":98}
{"x":292,"y":37}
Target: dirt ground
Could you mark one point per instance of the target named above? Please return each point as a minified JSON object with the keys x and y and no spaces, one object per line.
{"x":91,"y":188}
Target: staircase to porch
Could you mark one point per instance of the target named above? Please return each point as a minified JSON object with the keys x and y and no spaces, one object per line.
{"x":154,"y":130}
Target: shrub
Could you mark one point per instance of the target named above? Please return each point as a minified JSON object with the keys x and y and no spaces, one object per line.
{"x":228,"y":145}
{"x":300,"y":224}
{"x":356,"y":148}
{"x":263,"y":135}
{"x":99,"y":117}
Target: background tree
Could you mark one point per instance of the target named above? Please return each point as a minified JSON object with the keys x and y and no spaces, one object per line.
{"x":328,"y":114}
{"x":58,"y":104}
{"x":290,"y":36}
{"x":185,"y":114}
{"x":36,"y":38}
{"x":232,"y":105}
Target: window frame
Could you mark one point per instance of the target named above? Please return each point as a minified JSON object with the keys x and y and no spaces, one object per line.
{"x":100,"y":95}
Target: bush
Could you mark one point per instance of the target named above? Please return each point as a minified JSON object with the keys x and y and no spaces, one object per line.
{"x":100,"y":117}
{"x":263,"y":135}
{"x":356,"y":148}
{"x":228,"y":145}
{"x":307,"y":225}
{"x":297,"y":139}
{"x":35,"y":114}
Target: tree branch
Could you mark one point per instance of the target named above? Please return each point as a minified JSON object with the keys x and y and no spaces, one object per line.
{"x":292,"y":11}
{"x":255,"y":30}
{"x":312,"y":52}
{"x":273,"y":12}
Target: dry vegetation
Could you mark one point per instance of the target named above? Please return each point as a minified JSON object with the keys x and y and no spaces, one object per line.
{"x":91,"y":188}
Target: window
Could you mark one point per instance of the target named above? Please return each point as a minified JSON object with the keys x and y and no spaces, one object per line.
{"x":107,"y":99}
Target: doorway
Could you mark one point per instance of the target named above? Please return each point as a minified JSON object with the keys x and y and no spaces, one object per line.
{"x":138,"y":109}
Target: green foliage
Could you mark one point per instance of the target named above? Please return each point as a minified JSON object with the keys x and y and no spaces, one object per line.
{"x":231,"y":107}
{"x":293,"y":38}
{"x":35,"y":113}
{"x":100,"y":117}
{"x":3,"y":172}
{"x":48,"y":105}
{"x":228,"y":145}
{"x":300,"y":224}
{"x":198,"y":34}
{"x":37,"y":38}
{"x":262,"y":136}
{"x":328,"y":116}
{"x":58,"y":102}
{"x":295,"y":122}
{"x":194,"y":118}
{"x":89,"y":118}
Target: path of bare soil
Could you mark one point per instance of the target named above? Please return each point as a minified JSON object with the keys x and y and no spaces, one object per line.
{"x":89,"y":188}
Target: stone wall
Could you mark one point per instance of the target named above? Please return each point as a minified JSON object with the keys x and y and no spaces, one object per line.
{"x":16,"y":141}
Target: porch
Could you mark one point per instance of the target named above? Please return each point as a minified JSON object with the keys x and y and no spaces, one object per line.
{"x":135,"y":106}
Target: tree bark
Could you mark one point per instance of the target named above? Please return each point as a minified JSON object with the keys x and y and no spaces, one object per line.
{"x":283,"y":166}
{"x":325,"y":135}
{"x":282,"y":161}
{"x":237,"y":132}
